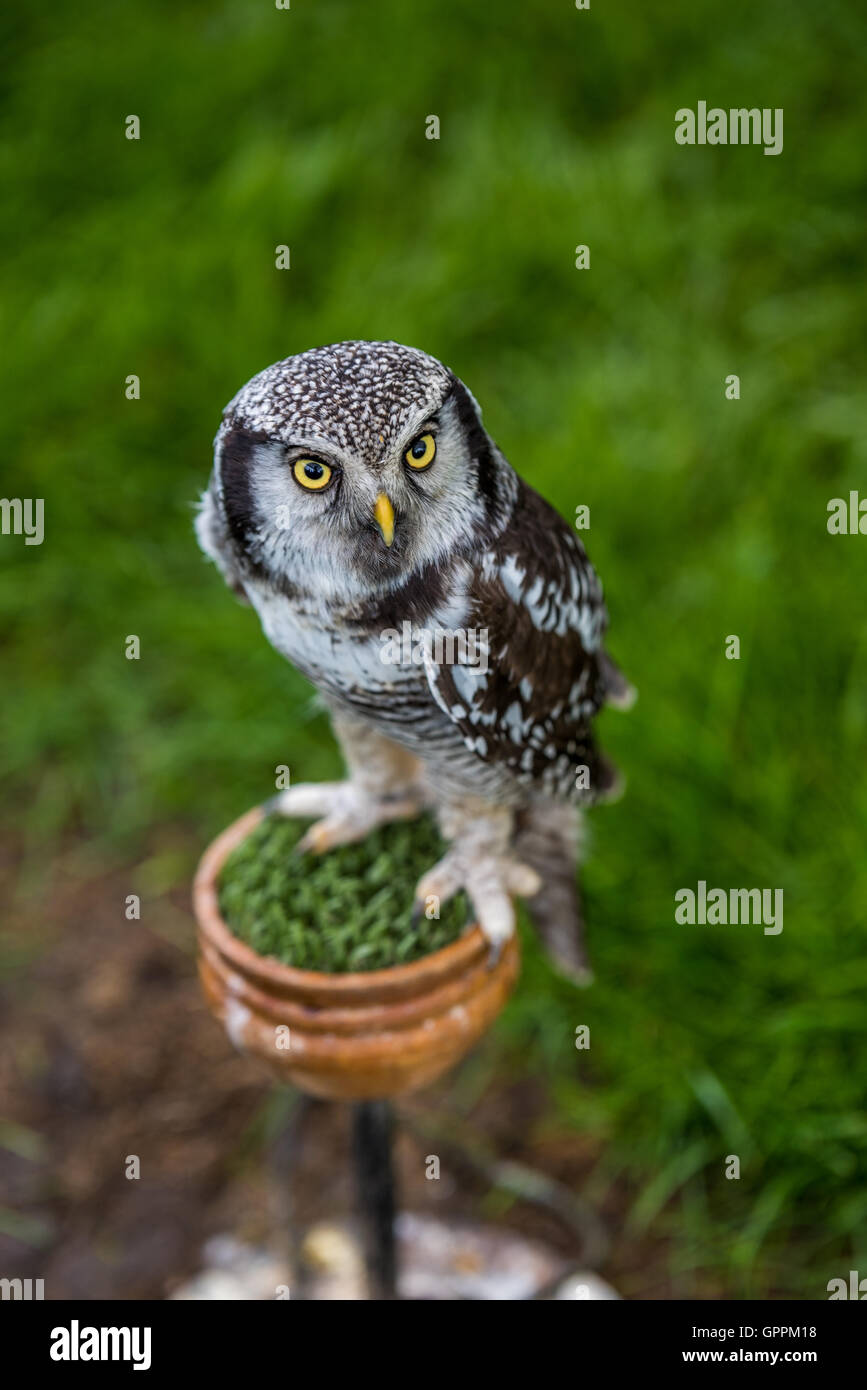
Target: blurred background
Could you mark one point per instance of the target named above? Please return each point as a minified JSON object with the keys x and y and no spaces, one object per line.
{"x":604,"y":387}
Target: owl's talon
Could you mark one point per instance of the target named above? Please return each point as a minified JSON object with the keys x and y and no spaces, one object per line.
{"x":317,"y":839}
{"x":347,"y":812}
{"x":490,"y":882}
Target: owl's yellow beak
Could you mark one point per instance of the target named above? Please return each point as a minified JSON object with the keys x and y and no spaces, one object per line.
{"x":383,"y":513}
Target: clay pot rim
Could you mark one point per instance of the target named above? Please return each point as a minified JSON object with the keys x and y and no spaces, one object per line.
{"x":458,"y":956}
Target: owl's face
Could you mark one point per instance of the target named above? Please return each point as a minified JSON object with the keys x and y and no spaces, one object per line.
{"x":347,"y":468}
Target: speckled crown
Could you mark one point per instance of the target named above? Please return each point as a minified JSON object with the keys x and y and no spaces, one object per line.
{"x":357,"y":394}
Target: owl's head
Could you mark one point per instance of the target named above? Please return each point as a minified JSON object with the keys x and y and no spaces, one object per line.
{"x":345,"y":469}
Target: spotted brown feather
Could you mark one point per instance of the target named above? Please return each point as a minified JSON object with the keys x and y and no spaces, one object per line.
{"x":538,"y":599}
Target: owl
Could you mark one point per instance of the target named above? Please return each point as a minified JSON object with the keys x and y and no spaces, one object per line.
{"x":448,"y":616}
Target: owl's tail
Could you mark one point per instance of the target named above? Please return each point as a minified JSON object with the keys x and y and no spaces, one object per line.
{"x":619,"y":692}
{"x":548,"y":838}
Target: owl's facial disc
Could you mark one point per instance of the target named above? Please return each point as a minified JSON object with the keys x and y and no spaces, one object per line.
{"x":345,"y":470}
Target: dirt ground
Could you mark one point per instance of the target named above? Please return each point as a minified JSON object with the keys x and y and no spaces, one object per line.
{"x":107,"y":1052}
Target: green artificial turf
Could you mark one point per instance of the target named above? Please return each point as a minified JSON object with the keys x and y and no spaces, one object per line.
{"x":348,"y":909}
{"x":605,"y":388}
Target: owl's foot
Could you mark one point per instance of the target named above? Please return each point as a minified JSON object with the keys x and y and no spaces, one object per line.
{"x":490,"y":882}
{"x":348,"y":812}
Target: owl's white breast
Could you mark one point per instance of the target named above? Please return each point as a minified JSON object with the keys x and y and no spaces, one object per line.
{"x":342,"y":661}
{"x":395,"y":697}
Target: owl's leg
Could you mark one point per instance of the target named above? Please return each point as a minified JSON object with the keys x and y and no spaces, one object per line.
{"x":384,"y":784}
{"x":480,"y":861}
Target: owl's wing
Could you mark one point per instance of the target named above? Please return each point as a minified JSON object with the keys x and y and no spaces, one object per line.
{"x":525,"y":700}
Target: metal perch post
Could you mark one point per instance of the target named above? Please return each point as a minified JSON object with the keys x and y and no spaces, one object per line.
{"x":372,"y":1126}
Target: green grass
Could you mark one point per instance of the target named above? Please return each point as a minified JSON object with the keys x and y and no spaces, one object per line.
{"x":349,"y":909}
{"x":604,"y":387}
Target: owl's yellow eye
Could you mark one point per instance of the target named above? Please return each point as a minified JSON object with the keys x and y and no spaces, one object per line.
{"x":420,"y":453}
{"x":312,"y":474}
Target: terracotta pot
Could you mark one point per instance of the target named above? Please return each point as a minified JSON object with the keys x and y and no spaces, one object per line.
{"x":353,"y":1036}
